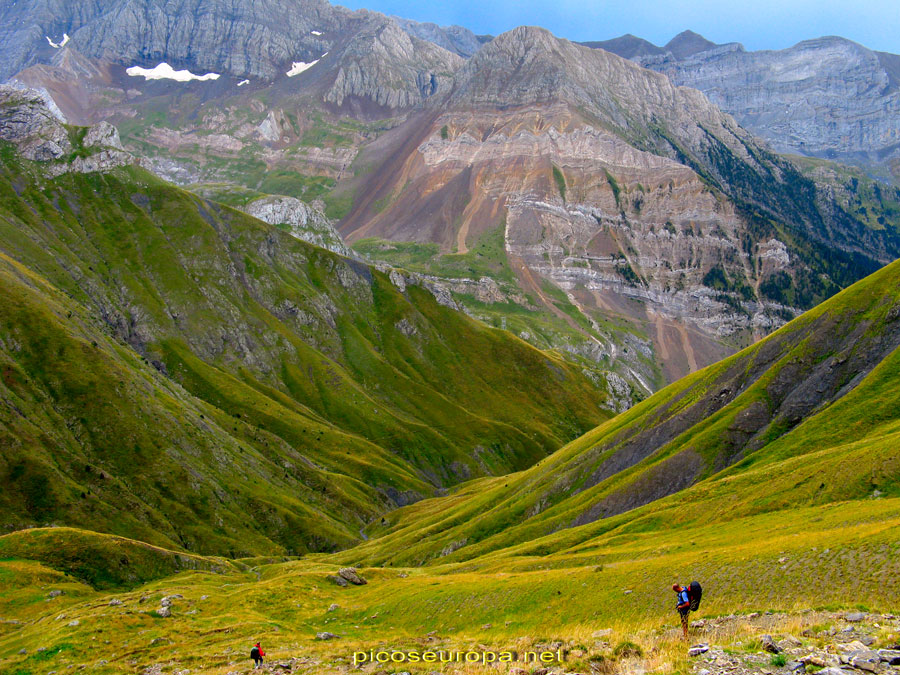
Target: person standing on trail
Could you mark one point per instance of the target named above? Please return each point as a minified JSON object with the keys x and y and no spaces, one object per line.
{"x":683,"y":605}
{"x":257,"y":655}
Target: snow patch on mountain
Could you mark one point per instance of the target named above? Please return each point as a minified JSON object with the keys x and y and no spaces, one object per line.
{"x":298,"y":67}
{"x":243,"y":82}
{"x":62,"y":44}
{"x":165,"y":72}
{"x":315,"y":32}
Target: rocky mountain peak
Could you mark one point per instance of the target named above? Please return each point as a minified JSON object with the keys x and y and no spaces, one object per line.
{"x":456,"y":39}
{"x":384,"y":65}
{"x":627,"y":46}
{"x":530,"y":65}
{"x":526,"y":65}
{"x":688,"y":43}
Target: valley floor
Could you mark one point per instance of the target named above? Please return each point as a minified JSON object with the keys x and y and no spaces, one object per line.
{"x":762,"y":575}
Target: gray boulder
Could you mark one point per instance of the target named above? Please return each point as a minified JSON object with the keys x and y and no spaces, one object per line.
{"x":866,"y":660}
{"x":768,"y":645}
{"x":351,"y":575}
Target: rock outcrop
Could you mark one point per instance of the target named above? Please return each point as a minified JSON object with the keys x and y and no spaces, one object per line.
{"x":40,"y":135}
{"x":300,"y":219}
{"x":29,"y":123}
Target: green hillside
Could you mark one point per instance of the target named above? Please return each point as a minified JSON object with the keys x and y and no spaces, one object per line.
{"x":181,"y":373}
{"x":788,"y":527}
{"x":808,"y":416}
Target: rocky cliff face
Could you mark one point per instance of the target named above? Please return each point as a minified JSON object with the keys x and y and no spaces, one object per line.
{"x":828,"y":97}
{"x":637,"y":198}
{"x":386,"y":66}
{"x":372,"y":57}
{"x":456,"y":39}
{"x":244,"y":39}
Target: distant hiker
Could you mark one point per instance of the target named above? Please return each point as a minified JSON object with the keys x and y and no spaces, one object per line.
{"x":257,"y":655}
{"x":688,"y":600}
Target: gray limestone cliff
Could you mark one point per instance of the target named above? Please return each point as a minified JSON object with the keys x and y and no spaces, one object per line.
{"x":241,"y":38}
{"x":389,"y":67}
{"x":827,"y":97}
{"x":456,"y":39}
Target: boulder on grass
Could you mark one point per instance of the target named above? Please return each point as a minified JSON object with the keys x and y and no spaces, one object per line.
{"x":351,"y":575}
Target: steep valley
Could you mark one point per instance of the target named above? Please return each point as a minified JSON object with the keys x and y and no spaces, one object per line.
{"x":349,"y":384}
{"x":814,"y":497}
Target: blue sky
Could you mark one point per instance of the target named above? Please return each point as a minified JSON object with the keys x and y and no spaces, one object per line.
{"x":758,"y":24}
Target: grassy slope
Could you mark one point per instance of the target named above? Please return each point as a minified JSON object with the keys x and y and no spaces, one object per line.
{"x":94,"y":436}
{"x":808,"y":519}
{"x":288,"y":374}
{"x":752,"y":564}
{"x":807,"y":416}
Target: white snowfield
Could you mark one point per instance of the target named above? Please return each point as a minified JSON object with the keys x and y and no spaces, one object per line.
{"x":298,"y":67}
{"x":62,"y":44}
{"x":165,"y":72}
{"x":315,"y":32}
{"x":243,"y":82}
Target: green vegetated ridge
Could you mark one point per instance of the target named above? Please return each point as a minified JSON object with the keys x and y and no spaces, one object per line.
{"x":808,"y":416}
{"x":180,"y":373}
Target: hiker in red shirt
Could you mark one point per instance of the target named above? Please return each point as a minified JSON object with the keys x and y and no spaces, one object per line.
{"x":257,"y":655}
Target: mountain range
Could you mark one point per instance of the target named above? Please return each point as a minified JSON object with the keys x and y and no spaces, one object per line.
{"x":829,"y":97}
{"x":553,"y":189}
{"x":205,"y":383}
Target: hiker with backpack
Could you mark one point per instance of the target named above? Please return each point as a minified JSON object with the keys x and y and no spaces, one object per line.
{"x":257,"y":655}
{"x":688,"y":600}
